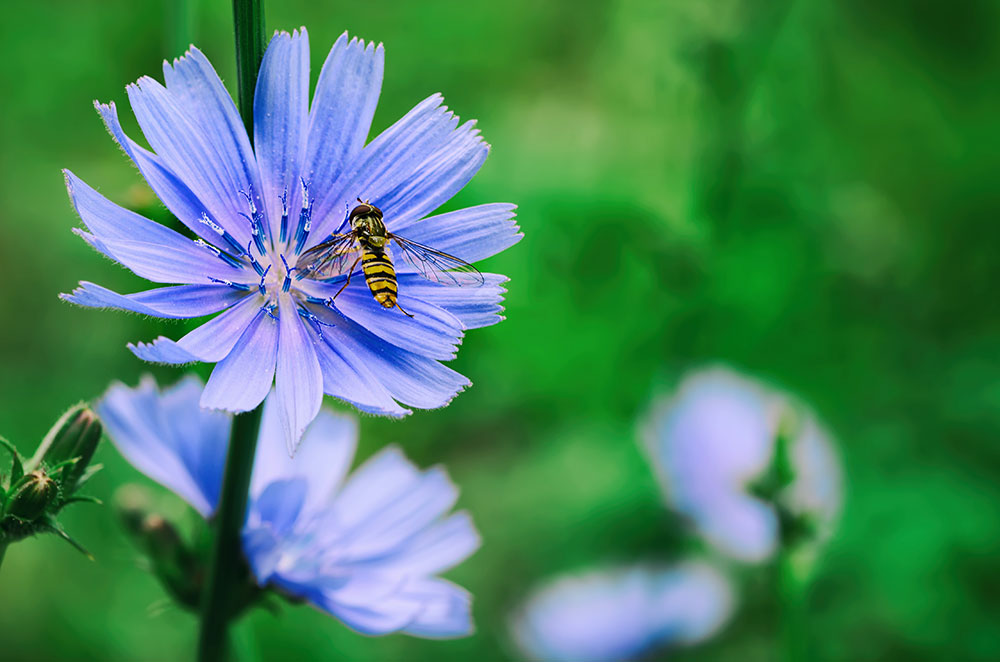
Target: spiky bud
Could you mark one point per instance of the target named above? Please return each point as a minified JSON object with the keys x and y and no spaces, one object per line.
{"x":74,"y":437}
{"x":31,"y":496}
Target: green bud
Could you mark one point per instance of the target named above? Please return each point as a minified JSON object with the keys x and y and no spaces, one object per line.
{"x":171,"y":559}
{"x":74,"y":437}
{"x":31,"y":496}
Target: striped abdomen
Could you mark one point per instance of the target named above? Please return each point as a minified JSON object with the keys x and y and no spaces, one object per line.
{"x":380,"y":275}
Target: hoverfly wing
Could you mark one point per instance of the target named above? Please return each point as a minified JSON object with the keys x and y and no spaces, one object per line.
{"x":437,"y":266}
{"x":329,"y":258}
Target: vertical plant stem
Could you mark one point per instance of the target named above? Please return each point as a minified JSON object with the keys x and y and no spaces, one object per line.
{"x":225,"y":574}
{"x":792,"y":593}
{"x":248,"y":17}
{"x":3,"y":550}
{"x":225,"y":571}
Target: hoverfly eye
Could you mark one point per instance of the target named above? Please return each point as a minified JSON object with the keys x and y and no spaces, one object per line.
{"x":360,"y":210}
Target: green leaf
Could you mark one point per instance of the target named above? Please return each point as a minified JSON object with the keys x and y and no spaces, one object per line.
{"x":17,"y":468}
{"x":52,"y":526}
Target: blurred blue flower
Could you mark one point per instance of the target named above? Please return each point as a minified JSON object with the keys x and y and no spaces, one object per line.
{"x":621,"y":613}
{"x":256,"y":208}
{"x":716,"y":439}
{"x":366,"y":547}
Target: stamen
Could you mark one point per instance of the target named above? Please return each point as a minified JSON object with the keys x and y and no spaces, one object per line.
{"x":222,"y":255}
{"x":253,"y":261}
{"x":284,"y":215}
{"x":222,"y":232}
{"x":269,"y":309}
{"x":260,"y":286}
{"x":305,"y":218}
{"x":316,"y":322}
{"x":256,"y":219}
{"x":236,"y":286}
{"x":287,"y":283}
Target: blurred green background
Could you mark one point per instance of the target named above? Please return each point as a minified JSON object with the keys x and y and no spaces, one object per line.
{"x":805,"y":190}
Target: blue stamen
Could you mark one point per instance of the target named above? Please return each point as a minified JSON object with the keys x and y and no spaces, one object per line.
{"x":256,"y":219}
{"x":316,"y":322}
{"x":253,"y":261}
{"x":284,"y":215}
{"x":236,"y":286}
{"x":287,"y":283}
{"x":263,"y":290}
{"x":222,"y":232}
{"x":269,"y":309}
{"x":305,"y":219}
{"x":222,"y":255}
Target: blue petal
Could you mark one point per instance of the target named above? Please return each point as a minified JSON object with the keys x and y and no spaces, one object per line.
{"x":298,"y":378}
{"x":437,"y":178}
{"x":211,"y":342}
{"x":341,"y":116}
{"x":278,"y":506}
{"x":241,"y":380}
{"x":436,"y":549}
{"x":165,"y":183}
{"x":382,"y":479}
{"x":323,"y":458}
{"x":194,"y":139}
{"x":473,"y":234}
{"x":179,"y":302}
{"x":474,"y":307}
{"x":382,"y":617}
{"x":281,"y":111}
{"x":165,"y":263}
{"x":388,"y":159}
{"x":345,"y":376}
{"x":410,"y":378}
{"x":401,"y":517}
{"x":431,"y":331}
{"x":169,"y":438}
{"x":446,"y":612}
{"x":195,"y":85}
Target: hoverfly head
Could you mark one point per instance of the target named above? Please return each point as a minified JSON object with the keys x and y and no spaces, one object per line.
{"x":365,"y":216}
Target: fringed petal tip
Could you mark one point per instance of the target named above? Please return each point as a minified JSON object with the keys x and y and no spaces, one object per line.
{"x":162,"y":351}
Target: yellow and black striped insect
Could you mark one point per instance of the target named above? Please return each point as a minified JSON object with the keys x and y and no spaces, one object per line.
{"x":367,"y":241}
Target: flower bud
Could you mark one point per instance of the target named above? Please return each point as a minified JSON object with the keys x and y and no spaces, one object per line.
{"x":74,"y":437}
{"x":30,"y":496}
{"x":172,"y":561}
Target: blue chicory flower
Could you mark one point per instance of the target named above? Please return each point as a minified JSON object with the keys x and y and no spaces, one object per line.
{"x":366,"y":547}
{"x":254,"y":209}
{"x":716,"y":437}
{"x":622,"y":613}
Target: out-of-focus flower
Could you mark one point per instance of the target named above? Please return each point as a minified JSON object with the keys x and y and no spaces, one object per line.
{"x":366,"y":547}
{"x":621,"y":613}
{"x":748,"y":465}
{"x":253,"y":210}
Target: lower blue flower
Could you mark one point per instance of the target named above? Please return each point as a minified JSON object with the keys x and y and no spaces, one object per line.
{"x":622,"y":613}
{"x":366,"y":547}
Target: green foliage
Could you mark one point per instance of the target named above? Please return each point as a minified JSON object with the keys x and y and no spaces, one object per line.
{"x":805,"y":190}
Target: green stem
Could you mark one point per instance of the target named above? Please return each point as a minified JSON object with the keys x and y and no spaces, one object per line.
{"x":248,"y":17}
{"x":3,"y":550}
{"x":792,"y":584}
{"x":225,"y":572}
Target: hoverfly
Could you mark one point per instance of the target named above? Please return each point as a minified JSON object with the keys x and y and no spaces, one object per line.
{"x":367,"y":241}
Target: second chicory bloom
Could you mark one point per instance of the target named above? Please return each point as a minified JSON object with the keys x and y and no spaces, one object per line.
{"x":744,"y":462}
{"x":254,"y":208}
{"x":366,"y":547}
{"x":622,"y":613}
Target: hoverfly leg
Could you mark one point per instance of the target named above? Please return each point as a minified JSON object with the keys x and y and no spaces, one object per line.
{"x":348,"y":281}
{"x":410,"y":315}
